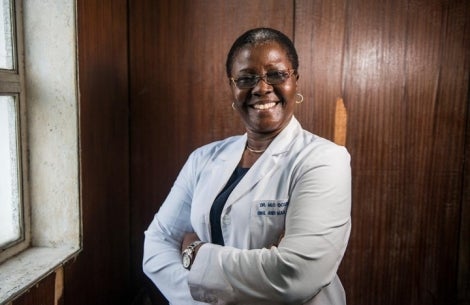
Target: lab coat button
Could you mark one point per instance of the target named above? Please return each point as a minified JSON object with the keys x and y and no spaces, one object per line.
{"x":226,"y":220}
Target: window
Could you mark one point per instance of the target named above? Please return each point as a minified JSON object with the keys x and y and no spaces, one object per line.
{"x":48,"y":184}
{"x":6,"y":39}
{"x":10,"y":201}
{"x":13,"y":224}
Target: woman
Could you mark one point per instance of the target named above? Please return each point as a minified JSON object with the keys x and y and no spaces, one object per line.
{"x":261,"y":218}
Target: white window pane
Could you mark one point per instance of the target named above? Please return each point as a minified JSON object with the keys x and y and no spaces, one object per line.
{"x":6,"y":34}
{"x":10,"y":201}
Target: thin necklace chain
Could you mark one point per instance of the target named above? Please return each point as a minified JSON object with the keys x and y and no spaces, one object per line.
{"x":254,"y":150}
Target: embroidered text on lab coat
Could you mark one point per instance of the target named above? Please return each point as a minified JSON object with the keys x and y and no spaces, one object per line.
{"x":271,"y":207}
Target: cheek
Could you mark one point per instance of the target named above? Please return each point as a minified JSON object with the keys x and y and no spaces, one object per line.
{"x":289,"y":92}
{"x":239,"y":95}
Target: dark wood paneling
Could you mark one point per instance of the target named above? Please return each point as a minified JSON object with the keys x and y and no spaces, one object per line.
{"x":43,"y":293}
{"x":464,"y":249}
{"x":402,"y":68}
{"x":319,"y":39}
{"x":180,"y":96}
{"x":101,"y":273}
{"x":460,"y":19}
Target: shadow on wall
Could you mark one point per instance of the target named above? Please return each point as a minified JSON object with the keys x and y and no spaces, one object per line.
{"x":149,"y":295}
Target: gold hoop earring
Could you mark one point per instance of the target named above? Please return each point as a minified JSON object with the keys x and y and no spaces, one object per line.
{"x":301,"y":98}
{"x":233,"y":106}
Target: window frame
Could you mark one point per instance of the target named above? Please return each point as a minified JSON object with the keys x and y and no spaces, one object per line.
{"x":51,"y":144}
{"x":12,"y":82}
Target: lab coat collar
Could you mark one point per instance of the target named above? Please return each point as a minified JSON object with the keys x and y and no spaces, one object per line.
{"x":282,"y":143}
{"x":268,"y":161}
{"x":279,"y":145}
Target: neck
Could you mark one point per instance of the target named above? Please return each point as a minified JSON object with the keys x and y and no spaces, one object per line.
{"x":255,"y":151}
{"x":258,"y":143}
{"x":257,"y":146}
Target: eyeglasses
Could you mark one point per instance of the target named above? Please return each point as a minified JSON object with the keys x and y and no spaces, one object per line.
{"x":270,"y":78}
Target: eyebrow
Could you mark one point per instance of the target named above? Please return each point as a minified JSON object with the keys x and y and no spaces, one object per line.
{"x":268,"y":69}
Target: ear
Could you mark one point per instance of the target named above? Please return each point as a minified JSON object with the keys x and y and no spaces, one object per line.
{"x":296,"y":80}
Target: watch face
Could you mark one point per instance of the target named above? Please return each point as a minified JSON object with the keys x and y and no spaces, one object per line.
{"x":186,"y":260}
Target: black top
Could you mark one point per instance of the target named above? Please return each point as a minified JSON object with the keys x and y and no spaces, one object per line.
{"x":219,"y":203}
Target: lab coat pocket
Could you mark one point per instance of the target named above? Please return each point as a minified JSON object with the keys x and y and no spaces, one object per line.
{"x":267,"y":221}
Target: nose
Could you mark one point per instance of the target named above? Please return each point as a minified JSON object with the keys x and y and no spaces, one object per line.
{"x":262,"y":87}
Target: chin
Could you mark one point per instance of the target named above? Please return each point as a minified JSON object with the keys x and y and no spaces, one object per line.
{"x":267,"y":128}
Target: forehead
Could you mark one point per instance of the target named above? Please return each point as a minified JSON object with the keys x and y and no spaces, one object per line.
{"x":261,"y":55}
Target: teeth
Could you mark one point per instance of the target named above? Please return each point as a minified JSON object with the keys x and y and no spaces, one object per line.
{"x":264,"y":106}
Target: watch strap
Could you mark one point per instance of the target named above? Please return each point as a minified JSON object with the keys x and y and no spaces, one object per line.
{"x":188,"y":253}
{"x":193,"y":245}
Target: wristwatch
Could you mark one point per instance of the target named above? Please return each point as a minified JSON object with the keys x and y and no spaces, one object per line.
{"x":187,"y":254}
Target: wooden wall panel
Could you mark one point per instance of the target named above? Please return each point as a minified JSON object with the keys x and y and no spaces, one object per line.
{"x":101,"y":273}
{"x":463,"y":287}
{"x":319,"y":39}
{"x":43,"y":293}
{"x":180,"y":96}
{"x":456,"y":74}
{"x":402,"y":68}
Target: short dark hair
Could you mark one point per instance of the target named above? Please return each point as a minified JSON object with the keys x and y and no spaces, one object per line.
{"x":259,"y":36}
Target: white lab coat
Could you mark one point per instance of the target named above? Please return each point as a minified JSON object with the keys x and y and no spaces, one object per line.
{"x":300,"y":184}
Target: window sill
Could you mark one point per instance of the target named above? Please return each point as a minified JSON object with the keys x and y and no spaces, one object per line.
{"x":23,"y":271}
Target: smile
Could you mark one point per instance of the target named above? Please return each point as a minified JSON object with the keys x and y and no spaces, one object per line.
{"x":264,"y":106}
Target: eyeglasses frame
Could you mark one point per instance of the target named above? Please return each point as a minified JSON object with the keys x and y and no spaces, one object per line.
{"x":263,"y":77}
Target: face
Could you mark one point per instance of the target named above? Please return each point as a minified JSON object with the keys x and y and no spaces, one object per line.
{"x":265,"y":109}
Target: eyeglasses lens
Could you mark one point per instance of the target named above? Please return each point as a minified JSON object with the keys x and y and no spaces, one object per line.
{"x":272,"y":78}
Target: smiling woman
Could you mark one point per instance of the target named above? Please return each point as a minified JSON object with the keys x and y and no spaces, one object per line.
{"x":263,"y":217}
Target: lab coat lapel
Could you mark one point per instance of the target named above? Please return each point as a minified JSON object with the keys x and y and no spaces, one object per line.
{"x":259,"y":170}
{"x":267,"y":163}
{"x":223,"y":167}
